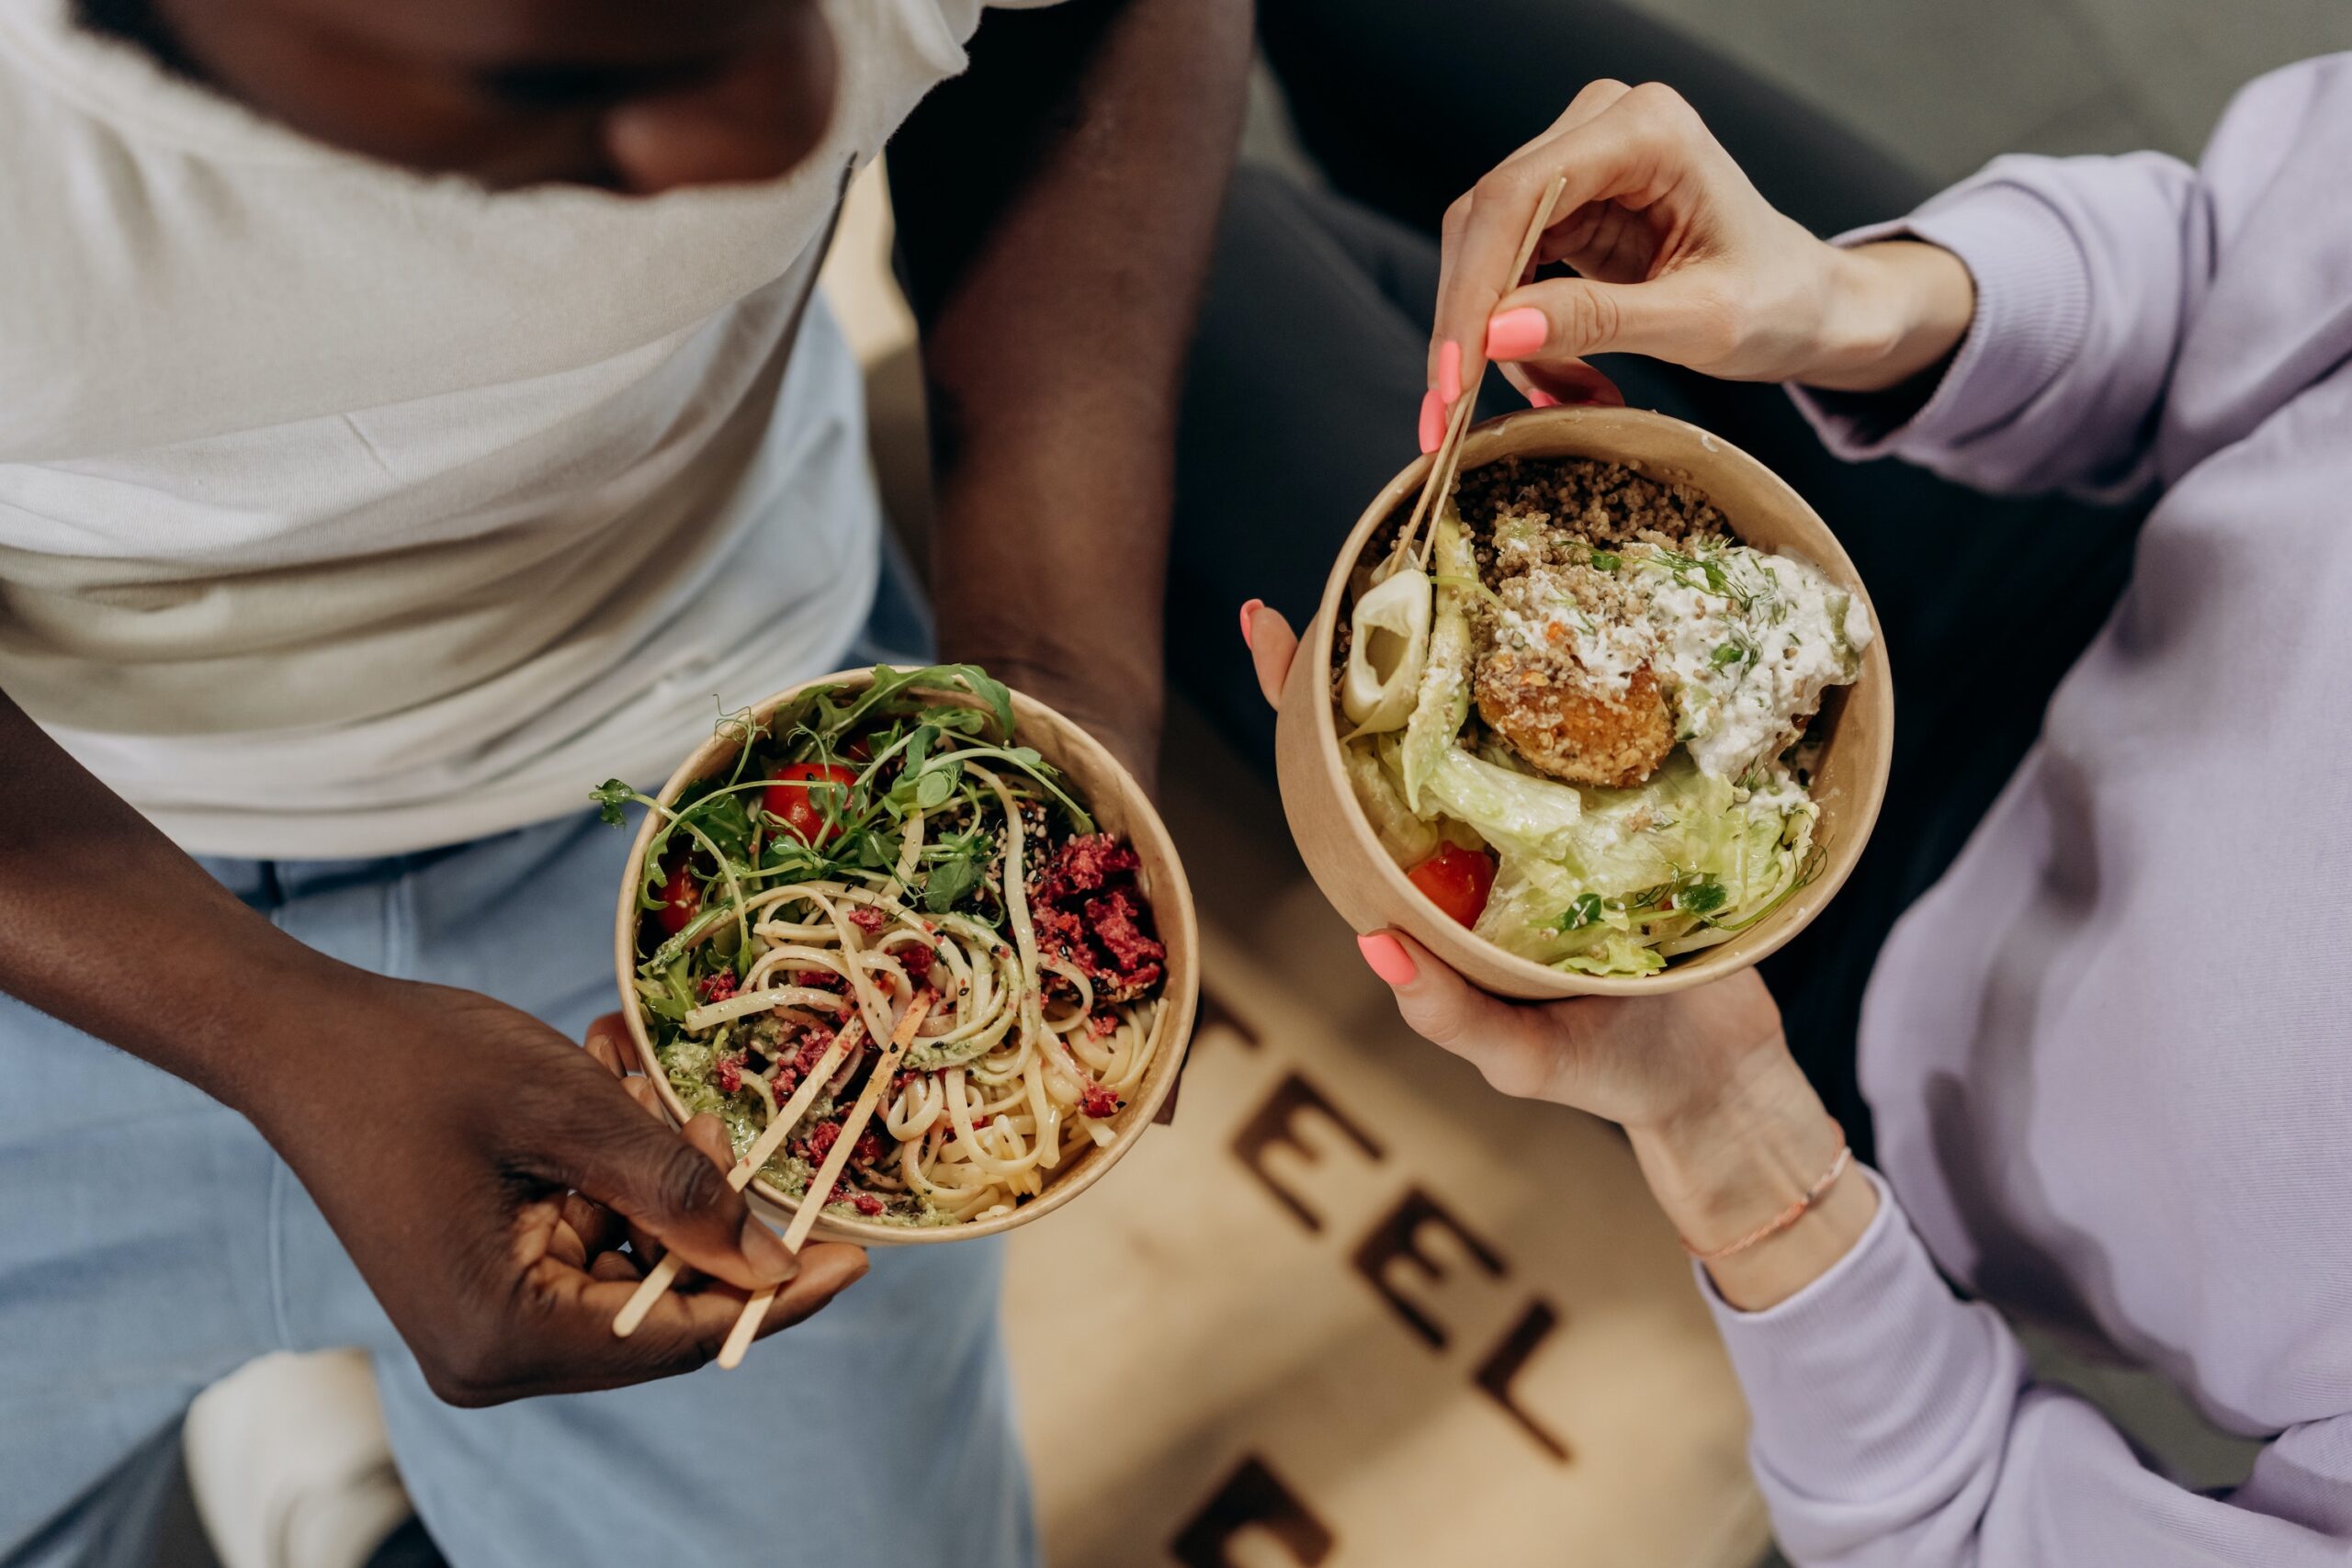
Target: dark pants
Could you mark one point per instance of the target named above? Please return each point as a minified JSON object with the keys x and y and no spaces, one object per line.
{"x":1307,"y":381}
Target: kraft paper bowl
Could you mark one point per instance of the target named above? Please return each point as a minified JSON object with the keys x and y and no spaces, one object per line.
{"x":1857,"y":721}
{"x":1097,"y":781}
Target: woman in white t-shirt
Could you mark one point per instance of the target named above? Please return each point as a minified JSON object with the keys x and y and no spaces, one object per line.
{"x":409,"y":416}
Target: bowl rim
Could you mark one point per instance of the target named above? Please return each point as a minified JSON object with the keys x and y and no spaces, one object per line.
{"x":1172,"y":913}
{"x":1875,"y":686}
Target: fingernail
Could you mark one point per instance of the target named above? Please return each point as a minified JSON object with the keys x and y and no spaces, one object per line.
{"x":1248,"y":631}
{"x":1432,"y":421}
{"x":772,"y":1263}
{"x":1449,"y":373}
{"x":1537,"y":398}
{"x":1387,"y":958}
{"x":1515,"y":335}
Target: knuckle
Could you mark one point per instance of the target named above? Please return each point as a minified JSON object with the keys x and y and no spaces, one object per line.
{"x":1513,"y":1070}
{"x":1587,"y":318}
{"x":1499,"y":186}
{"x":1660,"y":103}
{"x":687,"y":1182}
{"x":1441,"y":1026}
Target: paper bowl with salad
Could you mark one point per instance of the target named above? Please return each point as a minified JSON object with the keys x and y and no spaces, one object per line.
{"x":1616,"y":721}
{"x":880,"y":840}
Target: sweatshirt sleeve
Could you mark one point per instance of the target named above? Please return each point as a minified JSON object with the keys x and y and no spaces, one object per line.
{"x":2088,"y":271}
{"x":1896,"y":1424}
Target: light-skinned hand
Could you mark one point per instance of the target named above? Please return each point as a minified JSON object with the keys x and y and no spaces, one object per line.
{"x":1720,"y":1118}
{"x":1677,"y":256}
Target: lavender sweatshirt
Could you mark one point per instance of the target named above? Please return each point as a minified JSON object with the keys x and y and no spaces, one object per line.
{"x":2110,"y":1054}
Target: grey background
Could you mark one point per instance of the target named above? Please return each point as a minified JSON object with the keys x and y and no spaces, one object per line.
{"x":1947,"y":84}
{"x":1944,"y":84}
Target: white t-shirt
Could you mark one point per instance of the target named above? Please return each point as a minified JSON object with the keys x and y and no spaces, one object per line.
{"x":346,"y":512}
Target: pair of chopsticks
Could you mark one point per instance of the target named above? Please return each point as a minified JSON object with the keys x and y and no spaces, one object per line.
{"x":1446,"y":464}
{"x":820,"y":1186}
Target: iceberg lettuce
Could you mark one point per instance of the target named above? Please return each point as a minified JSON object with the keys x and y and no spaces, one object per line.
{"x":1512,"y":811}
{"x":1664,"y":864}
{"x":1409,"y":839}
{"x":1444,"y":699}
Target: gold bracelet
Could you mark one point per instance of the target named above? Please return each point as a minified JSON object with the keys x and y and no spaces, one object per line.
{"x":1785,"y":1218}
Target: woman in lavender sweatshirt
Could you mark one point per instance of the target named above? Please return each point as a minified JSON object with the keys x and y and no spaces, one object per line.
{"x":2109,"y":1055}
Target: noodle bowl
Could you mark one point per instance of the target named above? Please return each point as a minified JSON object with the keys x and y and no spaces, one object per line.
{"x":865,"y":841}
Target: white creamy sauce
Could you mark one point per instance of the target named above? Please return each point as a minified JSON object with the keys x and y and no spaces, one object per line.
{"x":1609,"y":651}
{"x":1743,"y":643}
{"x":1740,"y":666}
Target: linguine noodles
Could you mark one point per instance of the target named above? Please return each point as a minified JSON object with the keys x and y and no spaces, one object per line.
{"x":872,"y":846}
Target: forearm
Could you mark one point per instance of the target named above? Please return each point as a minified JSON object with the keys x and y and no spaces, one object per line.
{"x":1057,"y":211}
{"x":1893,"y":311}
{"x":105,"y":924}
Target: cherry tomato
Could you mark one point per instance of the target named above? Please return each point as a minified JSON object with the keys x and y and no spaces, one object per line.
{"x":681,"y":899}
{"x":791,"y":800}
{"x":1457,"y":880}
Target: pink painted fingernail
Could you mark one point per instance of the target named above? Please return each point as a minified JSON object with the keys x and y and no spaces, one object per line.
{"x":1515,"y":335}
{"x":1248,"y":632}
{"x":1432,"y":421}
{"x":1449,"y":373}
{"x":1537,"y":398}
{"x":1387,"y":958}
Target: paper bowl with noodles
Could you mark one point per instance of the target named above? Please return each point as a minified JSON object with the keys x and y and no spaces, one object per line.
{"x":876,"y":838}
{"x":1618,"y":721}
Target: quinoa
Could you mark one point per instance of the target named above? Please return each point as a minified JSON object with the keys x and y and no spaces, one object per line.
{"x":1582,"y":502}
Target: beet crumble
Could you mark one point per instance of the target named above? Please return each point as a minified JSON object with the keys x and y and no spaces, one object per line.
{"x":1090,"y":914}
{"x":821,"y":1139}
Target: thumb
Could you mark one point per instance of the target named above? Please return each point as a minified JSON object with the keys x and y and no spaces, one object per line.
{"x":1272,"y":646}
{"x":1516,"y":1048}
{"x":672,"y":1191}
{"x":1560,"y":318}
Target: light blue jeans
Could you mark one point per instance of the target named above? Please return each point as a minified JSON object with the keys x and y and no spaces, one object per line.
{"x":151,"y":1243}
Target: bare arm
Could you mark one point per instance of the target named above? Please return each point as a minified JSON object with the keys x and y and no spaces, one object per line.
{"x":1056,"y":206}
{"x":439,"y":1131}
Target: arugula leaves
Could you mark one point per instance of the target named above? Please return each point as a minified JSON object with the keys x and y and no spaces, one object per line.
{"x":1583,"y":910}
{"x":905,"y":750}
{"x":833,"y":720}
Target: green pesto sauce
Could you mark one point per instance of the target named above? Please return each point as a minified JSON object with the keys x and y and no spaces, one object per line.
{"x":687,"y":1063}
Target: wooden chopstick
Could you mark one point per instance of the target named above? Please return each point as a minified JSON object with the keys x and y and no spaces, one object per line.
{"x":1456,"y":421}
{"x":1446,"y":464}
{"x":820,"y":1186}
{"x":739,"y":1176}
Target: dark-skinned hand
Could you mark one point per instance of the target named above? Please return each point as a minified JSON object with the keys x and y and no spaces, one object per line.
{"x":483,"y":1171}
